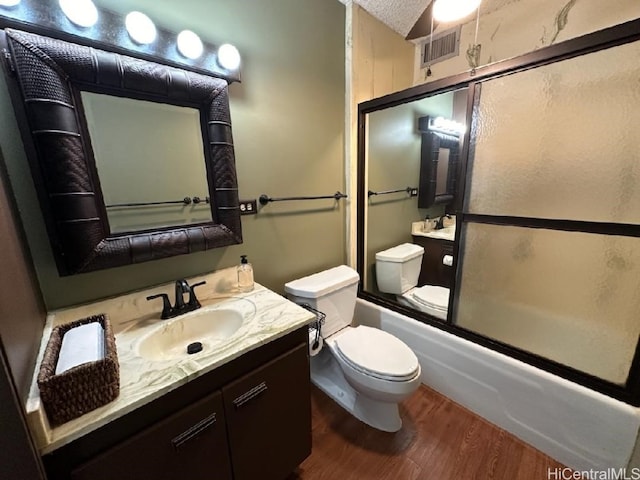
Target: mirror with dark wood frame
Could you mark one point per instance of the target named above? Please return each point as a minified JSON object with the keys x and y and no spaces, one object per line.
{"x":439,"y":158}
{"x":540,"y":257}
{"x":53,"y":80}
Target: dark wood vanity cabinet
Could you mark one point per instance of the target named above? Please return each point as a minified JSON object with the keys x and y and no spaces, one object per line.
{"x":433,"y":271}
{"x":269,"y":419}
{"x":189,"y":444}
{"x":248,"y":419}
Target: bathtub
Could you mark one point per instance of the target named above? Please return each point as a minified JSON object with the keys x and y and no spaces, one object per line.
{"x":578,"y":427}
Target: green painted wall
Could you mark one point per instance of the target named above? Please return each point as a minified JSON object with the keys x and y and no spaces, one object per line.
{"x":288,"y":125}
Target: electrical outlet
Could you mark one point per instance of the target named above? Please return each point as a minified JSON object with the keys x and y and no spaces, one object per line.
{"x":414,"y":192}
{"x":248,"y":207}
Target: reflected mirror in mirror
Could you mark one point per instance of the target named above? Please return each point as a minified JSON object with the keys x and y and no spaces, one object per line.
{"x":148,"y":154}
{"x":439,"y":159}
{"x":442,"y":171}
{"x":399,"y":233}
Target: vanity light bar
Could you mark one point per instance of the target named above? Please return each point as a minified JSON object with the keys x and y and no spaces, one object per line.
{"x":189,"y":44}
{"x":141,"y":28}
{"x":135,"y":34}
{"x":82,"y":13}
{"x":228,"y":57}
{"x":443,"y":125}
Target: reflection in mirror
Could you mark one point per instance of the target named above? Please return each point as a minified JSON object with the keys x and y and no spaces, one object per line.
{"x":439,"y":158}
{"x":160,"y":148}
{"x":442,"y":171}
{"x":409,"y":249}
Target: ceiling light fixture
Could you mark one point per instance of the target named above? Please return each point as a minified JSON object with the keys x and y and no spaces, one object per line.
{"x":81,"y":12}
{"x":189,"y":44}
{"x":140,"y":27}
{"x":228,"y":57}
{"x":451,"y":10}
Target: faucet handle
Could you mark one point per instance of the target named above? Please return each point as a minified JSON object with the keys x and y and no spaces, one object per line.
{"x":193,"y":300}
{"x":167,"y":310}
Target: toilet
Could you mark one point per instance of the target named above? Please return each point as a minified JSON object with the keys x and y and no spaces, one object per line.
{"x":365,"y":370}
{"x":397,"y":272}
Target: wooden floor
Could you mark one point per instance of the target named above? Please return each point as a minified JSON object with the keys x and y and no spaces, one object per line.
{"x":439,"y":440}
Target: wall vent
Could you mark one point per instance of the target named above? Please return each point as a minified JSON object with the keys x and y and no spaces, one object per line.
{"x":446,"y":44}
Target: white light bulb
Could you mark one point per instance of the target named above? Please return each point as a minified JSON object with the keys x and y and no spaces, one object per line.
{"x":450,"y":10}
{"x":228,"y":57}
{"x":189,"y":44}
{"x":9,"y":3}
{"x":140,"y":27}
{"x":81,"y":12}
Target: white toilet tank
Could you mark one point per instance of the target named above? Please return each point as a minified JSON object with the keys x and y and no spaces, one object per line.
{"x":398,"y":268}
{"x":333,"y":292}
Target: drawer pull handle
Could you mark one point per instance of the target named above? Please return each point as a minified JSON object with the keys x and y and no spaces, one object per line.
{"x":194,"y":431}
{"x":250,"y":395}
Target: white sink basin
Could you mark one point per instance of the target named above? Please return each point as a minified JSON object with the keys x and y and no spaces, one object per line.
{"x":447,"y":233}
{"x":209,"y":327}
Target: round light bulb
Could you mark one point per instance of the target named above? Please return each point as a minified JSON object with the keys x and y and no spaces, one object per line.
{"x":81,"y":12}
{"x":189,"y":44}
{"x":9,"y":3}
{"x":450,"y":10}
{"x":228,"y":57}
{"x":140,"y":27}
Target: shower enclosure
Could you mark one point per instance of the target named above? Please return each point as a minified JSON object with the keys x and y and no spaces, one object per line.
{"x":546,"y":252}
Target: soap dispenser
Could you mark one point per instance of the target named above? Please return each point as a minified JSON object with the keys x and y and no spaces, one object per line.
{"x":245,"y":275}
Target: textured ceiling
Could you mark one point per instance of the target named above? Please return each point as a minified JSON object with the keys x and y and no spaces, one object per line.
{"x":401,"y":15}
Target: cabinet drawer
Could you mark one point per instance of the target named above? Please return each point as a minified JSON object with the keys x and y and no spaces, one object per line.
{"x":189,"y":444}
{"x":268,"y":416}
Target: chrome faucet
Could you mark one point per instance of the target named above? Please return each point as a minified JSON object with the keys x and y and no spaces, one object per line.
{"x":180,"y":307}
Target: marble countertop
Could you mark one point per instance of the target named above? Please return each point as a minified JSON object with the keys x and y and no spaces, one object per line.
{"x":267,"y":316}
{"x":447,"y":233}
{"x":426,"y":229}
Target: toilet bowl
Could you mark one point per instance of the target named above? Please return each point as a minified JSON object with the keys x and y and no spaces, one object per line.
{"x":366,"y":370}
{"x":397,"y":272}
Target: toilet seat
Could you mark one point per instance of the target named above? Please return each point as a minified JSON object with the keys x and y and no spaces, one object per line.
{"x":432,"y":296}
{"x":430,"y":299}
{"x":377,"y":354}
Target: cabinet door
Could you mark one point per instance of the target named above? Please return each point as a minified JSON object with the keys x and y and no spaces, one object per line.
{"x":189,"y":444}
{"x":445,"y":272}
{"x":433,"y":271}
{"x":268,"y":416}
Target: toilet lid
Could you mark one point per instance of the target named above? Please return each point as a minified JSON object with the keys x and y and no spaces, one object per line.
{"x":377,"y":353}
{"x":432,"y":296}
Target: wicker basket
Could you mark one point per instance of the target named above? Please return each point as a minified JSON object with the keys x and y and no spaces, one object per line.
{"x":82,"y":388}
